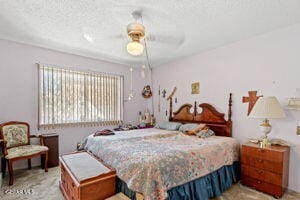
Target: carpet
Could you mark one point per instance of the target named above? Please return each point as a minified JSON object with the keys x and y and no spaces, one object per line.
{"x":35,"y":184}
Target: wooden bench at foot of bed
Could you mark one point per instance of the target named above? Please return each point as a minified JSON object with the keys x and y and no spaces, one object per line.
{"x":84,"y":177}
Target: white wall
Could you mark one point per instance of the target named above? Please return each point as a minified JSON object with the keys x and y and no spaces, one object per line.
{"x":269,"y":63}
{"x":19,"y":84}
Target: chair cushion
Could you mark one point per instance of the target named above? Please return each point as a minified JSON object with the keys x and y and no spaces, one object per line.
{"x":26,"y":150}
{"x":15,"y":134}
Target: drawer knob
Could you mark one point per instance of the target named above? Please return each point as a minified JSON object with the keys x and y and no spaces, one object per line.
{"x":259,"y":182}
{"x":260,"y":160}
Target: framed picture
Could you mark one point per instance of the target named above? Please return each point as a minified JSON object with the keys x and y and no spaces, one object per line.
{"x":196,"y":88}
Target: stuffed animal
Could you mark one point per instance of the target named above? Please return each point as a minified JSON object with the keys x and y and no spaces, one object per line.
{"x":197,"y":129}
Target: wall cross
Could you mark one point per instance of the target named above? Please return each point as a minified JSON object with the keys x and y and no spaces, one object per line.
{"x":251,"y":100}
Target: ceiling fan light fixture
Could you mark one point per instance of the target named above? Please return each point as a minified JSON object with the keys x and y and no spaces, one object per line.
{"x":135,"y":48}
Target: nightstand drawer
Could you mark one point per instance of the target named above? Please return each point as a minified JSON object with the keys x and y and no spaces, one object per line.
{"x":263,"y":186}
{"x":262,"y":175}
{"x":265,"y":154}
{"x":260,"y":163}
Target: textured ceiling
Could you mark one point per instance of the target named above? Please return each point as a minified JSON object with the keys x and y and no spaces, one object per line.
{"x":174,"y":28}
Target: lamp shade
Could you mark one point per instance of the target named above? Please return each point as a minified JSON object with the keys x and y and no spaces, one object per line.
{"x":267,"y":108}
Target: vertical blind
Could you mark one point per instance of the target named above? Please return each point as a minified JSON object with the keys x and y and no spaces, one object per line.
{"x":68,"y":97}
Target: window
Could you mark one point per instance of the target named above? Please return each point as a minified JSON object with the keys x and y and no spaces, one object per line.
{"x":68,"y":97}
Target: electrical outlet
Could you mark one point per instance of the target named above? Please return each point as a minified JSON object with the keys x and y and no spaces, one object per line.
{"x":298,"y":130}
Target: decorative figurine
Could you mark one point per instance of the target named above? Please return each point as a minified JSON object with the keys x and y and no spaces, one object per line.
{"x":140,"y":117}
{"x":147,"y":117}
{"x":152,"y":123}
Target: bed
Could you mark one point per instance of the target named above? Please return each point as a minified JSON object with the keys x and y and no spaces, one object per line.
{"x":162,"y":164}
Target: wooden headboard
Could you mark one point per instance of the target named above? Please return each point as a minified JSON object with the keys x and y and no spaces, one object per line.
{"x":208,"y":115}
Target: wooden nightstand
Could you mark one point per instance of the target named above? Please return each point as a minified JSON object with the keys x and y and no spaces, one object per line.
{"x":266,"y":170}
{"x":51,"y":141}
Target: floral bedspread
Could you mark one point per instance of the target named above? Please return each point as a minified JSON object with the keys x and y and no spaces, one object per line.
{"x":152,"y":164}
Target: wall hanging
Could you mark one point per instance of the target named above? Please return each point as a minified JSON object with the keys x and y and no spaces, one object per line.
{"x":147,"y":93}
{"x":196,"y":88}
{"x":159,"y":98}
{"x":251,"y":99}
{"x":164,"y":92}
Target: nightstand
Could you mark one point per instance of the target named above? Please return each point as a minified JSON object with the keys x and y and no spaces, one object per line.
{"x":51,"y":141}
{"x":267,"y":169}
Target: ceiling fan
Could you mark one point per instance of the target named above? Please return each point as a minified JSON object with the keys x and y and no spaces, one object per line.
{"x":136,"y":31}
{"x":145,"y":27}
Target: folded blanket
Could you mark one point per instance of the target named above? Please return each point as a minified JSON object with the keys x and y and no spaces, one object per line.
{"x":104,"y":133}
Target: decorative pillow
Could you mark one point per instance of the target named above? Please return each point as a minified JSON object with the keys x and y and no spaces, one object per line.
{"x":186,"y":127}
{"x":171,"y":126}
{"x":205,"y":133}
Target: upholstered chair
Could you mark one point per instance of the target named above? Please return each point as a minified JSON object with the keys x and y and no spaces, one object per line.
{"x":15,"y":145}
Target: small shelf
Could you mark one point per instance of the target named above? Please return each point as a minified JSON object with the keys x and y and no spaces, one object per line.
{"x":294,"y":103}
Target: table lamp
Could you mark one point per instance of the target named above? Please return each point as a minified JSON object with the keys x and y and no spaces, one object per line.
{"x":267,"y":108}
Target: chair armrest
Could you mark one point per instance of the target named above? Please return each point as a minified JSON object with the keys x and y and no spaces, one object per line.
{"x":38,"y":136}
{"x":3,"y":146}
{"x":3,"y":142}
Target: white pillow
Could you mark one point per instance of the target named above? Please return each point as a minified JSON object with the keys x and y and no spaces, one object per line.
{"x":171,"y":126}
{"x":186,"y":127}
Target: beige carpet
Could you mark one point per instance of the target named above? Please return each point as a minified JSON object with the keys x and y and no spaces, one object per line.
{"x":35,"y":184}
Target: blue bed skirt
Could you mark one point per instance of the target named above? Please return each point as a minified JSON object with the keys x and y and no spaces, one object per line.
{"x":211,"y":185}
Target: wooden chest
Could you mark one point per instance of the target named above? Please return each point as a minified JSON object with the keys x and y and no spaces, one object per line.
{"x":266,"y":170}
{"x":84,"y":177}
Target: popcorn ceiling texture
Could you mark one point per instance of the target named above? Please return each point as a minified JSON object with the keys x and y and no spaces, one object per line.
{"x":179,"y":28}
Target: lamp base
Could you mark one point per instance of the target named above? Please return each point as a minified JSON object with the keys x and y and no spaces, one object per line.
{"x":265,"y":143}
{"x":266,"y":128}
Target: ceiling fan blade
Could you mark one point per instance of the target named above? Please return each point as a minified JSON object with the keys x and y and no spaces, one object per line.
{"x":168,"y":39}
{"x":118,"y":36}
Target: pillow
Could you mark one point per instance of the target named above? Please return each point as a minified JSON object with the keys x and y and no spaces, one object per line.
{"x":205,"y":133}
{"x":186,"y":127}
{"x":171,"y":126}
